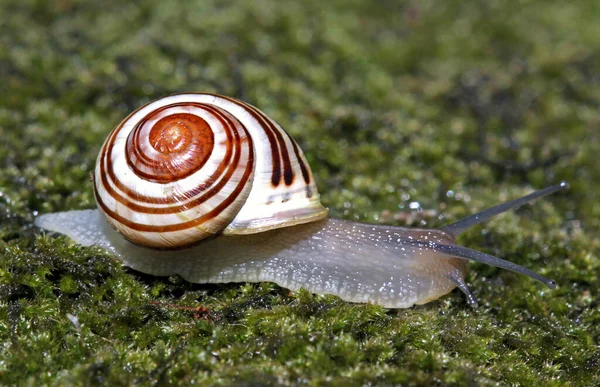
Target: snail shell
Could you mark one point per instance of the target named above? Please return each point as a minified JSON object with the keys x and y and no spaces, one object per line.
{"x":192,"y":166}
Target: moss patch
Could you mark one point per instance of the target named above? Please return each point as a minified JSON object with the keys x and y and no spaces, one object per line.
{"x":454,"y":106}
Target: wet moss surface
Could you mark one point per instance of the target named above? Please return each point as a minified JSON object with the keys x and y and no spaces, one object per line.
{"x":410,"y":113}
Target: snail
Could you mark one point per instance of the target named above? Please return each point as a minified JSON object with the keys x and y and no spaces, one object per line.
{"x":210,"y":188}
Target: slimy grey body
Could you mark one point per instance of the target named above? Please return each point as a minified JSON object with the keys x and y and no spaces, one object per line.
{"x":357,"y":262}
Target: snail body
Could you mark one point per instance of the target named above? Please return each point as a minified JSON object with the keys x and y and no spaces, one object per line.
{"x":210,"y":188}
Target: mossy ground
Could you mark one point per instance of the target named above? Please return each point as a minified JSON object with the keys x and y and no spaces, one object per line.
{"x":453,"y":105}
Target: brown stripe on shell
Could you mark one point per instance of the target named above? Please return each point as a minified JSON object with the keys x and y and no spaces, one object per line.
{"x":189,"y":194}
{"x":303,"y":168}
{"x":109,"y":173}
{"x":287,"y":167}
{"x":118,"y":128}
{"x":178,"y":226}
{"x":147,"y":199}
{"x":135,"y":139}
{"x":273,"y":135}
{"x":288,"y":172}
{"x":209,"y":215}
{"x":192,"y":223}
{"x":135,"y":146}
{"x":175,"y":161}
{"x":276,"y":174}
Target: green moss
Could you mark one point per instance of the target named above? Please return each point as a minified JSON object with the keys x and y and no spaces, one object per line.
{"x":453,"y":105}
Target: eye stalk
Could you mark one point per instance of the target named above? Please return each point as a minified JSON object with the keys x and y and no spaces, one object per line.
{"x":464,"y":224}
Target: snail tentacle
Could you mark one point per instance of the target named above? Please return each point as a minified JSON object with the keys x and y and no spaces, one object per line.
{"x":464,"y":224}
{"x":462,"y":285}
{"x":481,"y":257}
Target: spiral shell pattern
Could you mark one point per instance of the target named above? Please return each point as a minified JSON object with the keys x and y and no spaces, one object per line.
{"x":191,"y":166}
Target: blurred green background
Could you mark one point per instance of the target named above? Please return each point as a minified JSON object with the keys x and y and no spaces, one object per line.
{"x":452,"y":105}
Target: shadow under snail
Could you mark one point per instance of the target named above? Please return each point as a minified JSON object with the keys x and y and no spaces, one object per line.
{"x":210,"y":188}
